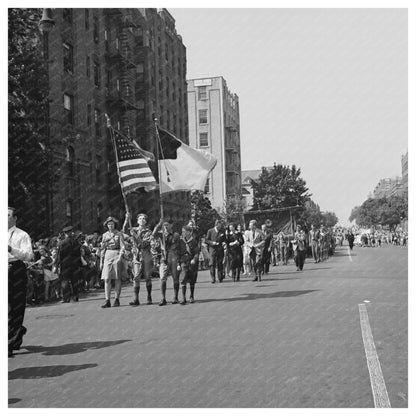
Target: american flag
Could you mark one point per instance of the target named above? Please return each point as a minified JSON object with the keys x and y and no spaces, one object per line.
{"x":133,"y":169}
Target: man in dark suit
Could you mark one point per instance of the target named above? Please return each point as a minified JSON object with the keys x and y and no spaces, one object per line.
{"x":255,"y":241}
{"x":69,"y":260}
{"x":215,"y":241}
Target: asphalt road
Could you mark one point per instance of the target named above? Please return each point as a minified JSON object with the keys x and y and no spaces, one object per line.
{"x":293,"y":340}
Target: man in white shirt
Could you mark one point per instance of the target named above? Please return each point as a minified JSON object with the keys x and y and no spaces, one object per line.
{"x":19,"y":251}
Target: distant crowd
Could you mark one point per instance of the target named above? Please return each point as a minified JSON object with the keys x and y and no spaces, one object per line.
{"x":45,"y":284}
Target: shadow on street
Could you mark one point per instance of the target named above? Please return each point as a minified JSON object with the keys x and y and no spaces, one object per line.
{"x":75,"y":348}
{"x":47,"y":371}
{"x":254,"y":296}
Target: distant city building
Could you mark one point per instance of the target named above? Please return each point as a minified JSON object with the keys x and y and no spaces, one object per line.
{"x":405,"y":174}
{"x":131,"y":65}
{"x":214,"y":125}
{"x":388,"y":187}
{"x":247,"y":188}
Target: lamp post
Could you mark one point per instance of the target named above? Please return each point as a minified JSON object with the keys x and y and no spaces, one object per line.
{"x":46,"y":24}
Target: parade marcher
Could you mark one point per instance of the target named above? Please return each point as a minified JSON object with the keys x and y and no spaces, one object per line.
{"x":247,"y":264}
{"x":255,"y":241}
{"x":282,"y":243}
{"x":112,"y":248}
{"x":19,"y":251}
{"x":299,"y":247}
{"x":350,"y":238}
{"x":189,"y":253}
{"x":203,"y":255}
{"x":216,"y":240}
{"x":168,"y":241}
{"x":68,"y":261}
{"x":235,"y":242}
{"x":268,"y":235}
{"x":314,"y":243}
{"x":143,"y":263}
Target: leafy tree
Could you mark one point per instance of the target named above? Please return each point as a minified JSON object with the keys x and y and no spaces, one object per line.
{"x":27,"y":94}
{"x":279,"y":187}
{"x":202,"y":212}
{"x":311,"y":215}
{"x":329,"y":219}
{"x":392,"y":211}
{"x":233,"y":209}
{"x":385,"y":211}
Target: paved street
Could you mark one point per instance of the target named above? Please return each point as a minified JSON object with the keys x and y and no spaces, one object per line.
{"x":292,"y":340}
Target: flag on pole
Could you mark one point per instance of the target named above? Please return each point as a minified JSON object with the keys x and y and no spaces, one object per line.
{"x":133,"y":169}
{"x":182,"y":167}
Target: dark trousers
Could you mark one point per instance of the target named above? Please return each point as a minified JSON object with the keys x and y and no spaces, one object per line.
{"x":216,"y":262}
{"x":70,"y":280}
{"x":17,"y":303}
{"x":300,"y":258}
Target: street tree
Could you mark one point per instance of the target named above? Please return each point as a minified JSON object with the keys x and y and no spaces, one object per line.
{"x":279,"y":187}
{"x":329,"y":219}
{"x":381,"y":211}
{"x":202,"y":212}
{"x":233,"y":210}
{"x":27,"y":99}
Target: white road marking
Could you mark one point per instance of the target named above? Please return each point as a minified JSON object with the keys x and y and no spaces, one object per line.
{"x":380,"y":395}
{"x":349,"y":254}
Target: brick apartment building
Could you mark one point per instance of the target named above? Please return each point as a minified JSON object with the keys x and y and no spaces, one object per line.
{"x":131,"y":65}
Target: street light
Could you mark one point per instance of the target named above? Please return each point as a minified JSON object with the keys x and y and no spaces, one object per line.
{"x":46,"y":24}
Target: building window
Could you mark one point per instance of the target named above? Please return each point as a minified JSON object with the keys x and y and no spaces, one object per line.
{"x":68,"y":209}
{"x":69,"y":108}
{"x":87,"y":19}
{"x":206,"y":189}
{"x":95,"y":34}
{"x":117,"y":43}
{"x":139,"y":35}
{"x":140,"y":112}
{"x":97,"y":122}
{"x":98,"y":169}
{"x":202,"y":93}
{"x":88,"y":65}
{"x":203,"y":139}
{"x":108,"y":80}
{"x":97,"y":74}
{"x":118,"y":84}
{"x":67,"y":15}
{"x":68,"y":58}
{"x":106,"y":39}
{"x":140,"y":72}
{"x":89,"y":109}
{"x":203,"y":116}
{"x":70,"y":159}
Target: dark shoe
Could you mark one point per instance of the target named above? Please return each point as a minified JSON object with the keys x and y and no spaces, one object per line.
{"x":116,"y":302}
{"x":213,"y":281}
{"x":149,"y":301}
{"x":183,"y":302}
{"x":175,"y":302}
{"x":255,"y":279}
{"x":107,"y":304}
{"x":134,"y":303}
{"x":76,"y":299}
{"x":163,"y":302}
{"x":191,"y":300}
{"x":65,"y":301}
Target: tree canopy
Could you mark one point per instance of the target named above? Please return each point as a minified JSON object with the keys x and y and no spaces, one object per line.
{"x":279,"y":187}
{"x":381,"y":211}
{"x":203,"y":213}
{"x":27,"y":99}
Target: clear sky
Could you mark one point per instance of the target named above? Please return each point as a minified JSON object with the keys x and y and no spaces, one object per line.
{"x":324,"y":89}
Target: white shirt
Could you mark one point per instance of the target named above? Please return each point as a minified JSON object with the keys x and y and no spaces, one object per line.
{"x":21,"y":245}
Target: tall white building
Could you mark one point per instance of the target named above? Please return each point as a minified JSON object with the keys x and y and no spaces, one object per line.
{"x":214,"y":125}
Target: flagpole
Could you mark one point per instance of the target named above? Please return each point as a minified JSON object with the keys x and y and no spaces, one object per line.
{"x":113,"y":141}
{"x":164,"y":253}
